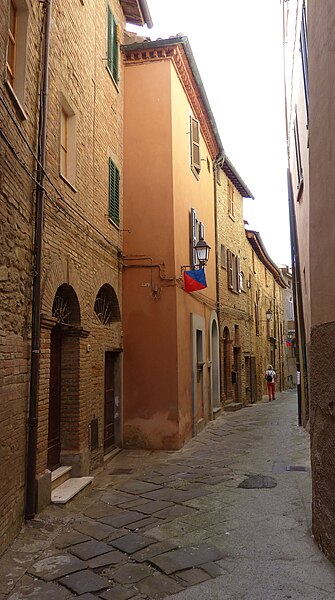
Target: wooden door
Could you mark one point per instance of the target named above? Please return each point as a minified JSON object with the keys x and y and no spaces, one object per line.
{"x":54,"y":399}
{"x":109,"y":418}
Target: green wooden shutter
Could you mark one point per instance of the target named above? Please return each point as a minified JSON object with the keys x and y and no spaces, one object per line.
{"x":114,"y":193}
{"x":112,"y":45}
{"x":115,"y":70}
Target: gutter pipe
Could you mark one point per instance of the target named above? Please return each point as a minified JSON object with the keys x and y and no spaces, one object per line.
{"x":146,"y":13}
{"x":30,"y":506}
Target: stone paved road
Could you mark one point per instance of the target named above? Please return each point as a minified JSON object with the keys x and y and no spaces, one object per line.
{"x":225,"y":518}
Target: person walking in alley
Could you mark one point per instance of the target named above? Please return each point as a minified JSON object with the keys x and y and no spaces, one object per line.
{"x":270,"y":376}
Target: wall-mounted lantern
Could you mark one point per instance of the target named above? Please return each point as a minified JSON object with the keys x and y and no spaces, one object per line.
{"x":268,"y":314}
{"x":202,"y":249}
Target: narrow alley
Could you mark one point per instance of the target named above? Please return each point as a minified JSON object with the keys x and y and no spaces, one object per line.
{"x":226,"y":517}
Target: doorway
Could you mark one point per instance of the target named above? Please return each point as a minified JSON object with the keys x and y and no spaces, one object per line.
{"x":54,"y":442}
{"x":109,"y":402}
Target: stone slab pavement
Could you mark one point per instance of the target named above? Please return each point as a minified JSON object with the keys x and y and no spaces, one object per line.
{"x":225,"y":518}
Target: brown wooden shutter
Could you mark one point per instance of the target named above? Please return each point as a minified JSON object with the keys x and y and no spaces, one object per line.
{"x":223,"y":257}
{"x":193,"y":237}
{"x":195,"y":144}
{"x":238,"y":274}
{"x":229,"y":269}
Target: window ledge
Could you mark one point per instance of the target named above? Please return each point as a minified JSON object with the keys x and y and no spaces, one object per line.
{"x":116,"y":225}
{"x":17,"y":104}
{"x":116,"y":85}
{"x":73,"y":188}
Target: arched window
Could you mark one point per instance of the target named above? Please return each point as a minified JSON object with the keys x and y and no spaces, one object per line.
{"x":106,"y":305}
{"x":65,"y":306}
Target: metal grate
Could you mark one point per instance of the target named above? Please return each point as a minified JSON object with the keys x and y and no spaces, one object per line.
{"x":295,"y":468}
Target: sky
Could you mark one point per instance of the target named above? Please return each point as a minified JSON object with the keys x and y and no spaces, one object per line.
{"x":237,"y":45}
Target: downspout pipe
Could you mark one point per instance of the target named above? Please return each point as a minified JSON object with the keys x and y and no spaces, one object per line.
{"x":30,"y":504}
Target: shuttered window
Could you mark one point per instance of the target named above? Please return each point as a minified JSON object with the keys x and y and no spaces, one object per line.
{"x":233,"y":271}
{"x":112,"y":46}
{"x":195,"y":145}
{"x":223,"y":257}
{"x":297,"y":153}
{"x":230,"y":192}
{"x":304,"y":56}
{"x":114,"y":193}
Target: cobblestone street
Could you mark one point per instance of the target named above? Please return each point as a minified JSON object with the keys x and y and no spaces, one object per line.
{"x":226,"y":517}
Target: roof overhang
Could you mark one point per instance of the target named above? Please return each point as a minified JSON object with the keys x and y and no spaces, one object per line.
{"x":136,"y":12}
{"x":165,"y":49}
{"x":256,"y":242}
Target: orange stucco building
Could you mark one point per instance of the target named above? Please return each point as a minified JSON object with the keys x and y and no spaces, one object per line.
{"x":171,"y":337}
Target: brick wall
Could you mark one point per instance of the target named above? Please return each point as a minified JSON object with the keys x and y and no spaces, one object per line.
{"x":16,"y":214}
{"x":81,"y":245}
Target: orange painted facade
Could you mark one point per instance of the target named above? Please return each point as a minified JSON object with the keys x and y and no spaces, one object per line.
{"x":171,"y":338}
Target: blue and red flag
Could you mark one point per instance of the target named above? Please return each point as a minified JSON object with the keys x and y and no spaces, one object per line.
{"x":195,"y":280}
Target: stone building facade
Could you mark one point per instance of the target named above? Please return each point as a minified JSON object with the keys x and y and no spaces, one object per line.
{"x":250,"y":300}
{"x":80,"y":370}
{"x":310,"y":96}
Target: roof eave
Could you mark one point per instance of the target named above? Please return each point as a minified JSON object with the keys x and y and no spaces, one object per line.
{"x":137,"y":12}
{"x":255,"y":240}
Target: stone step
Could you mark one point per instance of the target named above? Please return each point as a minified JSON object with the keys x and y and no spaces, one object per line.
{"x":58,"y":476}
{"x":69,"y":489}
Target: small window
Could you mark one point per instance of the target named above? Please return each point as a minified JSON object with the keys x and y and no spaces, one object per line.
{"x":112,"y":45}
{"x":67,"y":148}
{"x":195,"y":146}
{"x":16,"y":48}
{"x":230,"y":193}
{"x":223,"y":257}
{"x":114,"y":193}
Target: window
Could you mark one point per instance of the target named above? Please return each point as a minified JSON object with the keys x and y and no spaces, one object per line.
{"x":16,"y":48}
{"x":257,"y":314}
{"x":230,"y":193}
{"x":67,"y":148}
{"x":297,"y":153}
{"x":112,"y":45}
{"x":223,"y":257}
{"x":197,"y":232}
{"x":195,"y":146}
{"x":114,"y":193}
{"x":11,"y":50}
{"x":234,"y":272}
{"x":304,"y":56}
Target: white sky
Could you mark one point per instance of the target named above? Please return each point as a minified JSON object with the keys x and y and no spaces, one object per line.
{"x":237,"y":45}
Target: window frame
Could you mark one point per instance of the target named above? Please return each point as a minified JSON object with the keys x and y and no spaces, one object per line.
{"x":15,"y":59}
{"x":68,"y":167}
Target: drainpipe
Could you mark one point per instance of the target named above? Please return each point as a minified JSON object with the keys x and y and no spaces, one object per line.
{"x":217,"y":163}
{"x":30,"y":507}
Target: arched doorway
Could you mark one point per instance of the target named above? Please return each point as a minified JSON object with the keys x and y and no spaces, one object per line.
{"x":227,"y":365}
{"x":215,"y":363}
{"x":64,"y":376}
{"x":106,"y":308}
